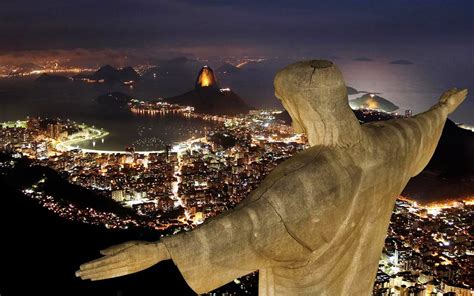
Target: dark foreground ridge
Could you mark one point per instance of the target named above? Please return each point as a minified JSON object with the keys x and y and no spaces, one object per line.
{"x":42,"y":250}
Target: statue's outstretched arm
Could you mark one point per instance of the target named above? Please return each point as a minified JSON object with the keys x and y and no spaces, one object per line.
{"x":420,"y":134}
{"x":428,"y":126}
{"x":123,"y":259}
{"x":223,"y":248}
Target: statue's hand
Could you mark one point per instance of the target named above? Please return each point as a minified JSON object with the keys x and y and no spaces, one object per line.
{"x":123,"y":259}
{"x":453,"y":98}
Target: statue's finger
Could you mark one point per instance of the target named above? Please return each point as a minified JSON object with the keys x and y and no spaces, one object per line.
{"x":112,"y":273}
{"x":87,"y":272}
{"x":117,"y":248}
{"x":103,"y":261}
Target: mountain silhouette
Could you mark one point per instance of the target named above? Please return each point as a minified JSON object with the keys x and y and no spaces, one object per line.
{"x":374,"y":102}
{"x":52,"y":79}
{"x":111,"y":75}
{"x":212,"y":101}
{"x":208,"y":98}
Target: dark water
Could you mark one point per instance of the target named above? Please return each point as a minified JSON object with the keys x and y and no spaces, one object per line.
{"x":145,"y":133}
{"x":20,"y":99}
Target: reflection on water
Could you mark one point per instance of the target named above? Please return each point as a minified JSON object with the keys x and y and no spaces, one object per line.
{"x":126,"y":129}
{"x":148,"y":133}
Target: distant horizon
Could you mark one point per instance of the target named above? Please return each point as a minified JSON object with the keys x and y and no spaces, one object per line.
{"x":412,"y":84}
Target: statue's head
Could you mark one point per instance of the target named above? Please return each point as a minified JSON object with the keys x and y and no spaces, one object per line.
{"x":315,"y":95}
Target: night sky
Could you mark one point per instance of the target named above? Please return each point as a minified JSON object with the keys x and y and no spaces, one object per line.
{"x":245,"y":24}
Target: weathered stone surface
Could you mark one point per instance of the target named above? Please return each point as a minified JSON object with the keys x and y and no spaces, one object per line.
{"x":317,"y":223}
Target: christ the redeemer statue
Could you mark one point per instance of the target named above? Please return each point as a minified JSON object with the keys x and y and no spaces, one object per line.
{"x":316,"y":225}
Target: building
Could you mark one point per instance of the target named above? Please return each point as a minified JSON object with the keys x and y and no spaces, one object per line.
{"x":118,"y":195}
{"x":53,"y":130}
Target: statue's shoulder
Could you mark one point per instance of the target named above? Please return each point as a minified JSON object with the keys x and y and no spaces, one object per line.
{"x":283,"y":170}
{"x":297,"y":162}
{"x":306,"y":170}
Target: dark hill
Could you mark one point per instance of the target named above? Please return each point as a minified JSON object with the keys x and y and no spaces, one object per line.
{"x":106,"y":71}
{"x":109,"y":74}
{"x":450,"y":173}
{"x":128,"y":74}
{"x":210,"y":100}
{"x":52,"y":79}
{"x":351,"y":90}
{"x":224,"y":140}
{"x":454,"y":153}
{"x":372,"y":101}
{"x":40,"y":250}
{"x":284,"y":116}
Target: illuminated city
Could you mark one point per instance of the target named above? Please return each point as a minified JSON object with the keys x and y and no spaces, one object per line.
{"x":189,"y":181}
{"x":178,"y":188}
{"x":229,"y":148}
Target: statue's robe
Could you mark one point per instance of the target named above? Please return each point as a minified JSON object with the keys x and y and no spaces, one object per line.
{"x":317,"y":223}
